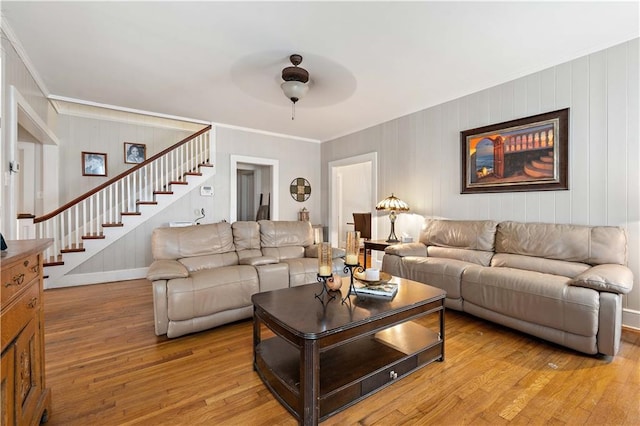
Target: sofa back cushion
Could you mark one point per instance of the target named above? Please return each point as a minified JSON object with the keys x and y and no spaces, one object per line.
{"x":200,"y":240}
{"x":246,"y":238}
{"x":279,"y":233}
{"x":209,"y":261}
{"x":574,"y":243}
{"x":539,"y":264}
{"x":474,"y":256}
{"x":463,"y":234}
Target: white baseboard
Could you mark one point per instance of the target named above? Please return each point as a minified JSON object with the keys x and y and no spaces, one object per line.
{"x":95,"y":278}
{"x":631,"y":318}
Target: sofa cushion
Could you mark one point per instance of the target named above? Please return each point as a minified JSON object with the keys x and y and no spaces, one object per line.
{"x":436,"y":272}
{"x":285,"y":233}
{"x":466,"y":234}
{"x":283,"y":253}
{"x":200,"y":240}
{"x":535,"y":297}
{"x":539,"y":264}
{"x":574,"y":243}
{"x":198,"y":263}
{"x":246,"y":235}
{"x":303,"y":270}
{"x":210,"y":291}
{"x":473,"y":256}
{"x":610,"y":278}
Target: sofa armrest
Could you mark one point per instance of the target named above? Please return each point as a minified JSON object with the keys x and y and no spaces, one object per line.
{"x":407,"y":249}
{"x":258,"y":260}
{"x":611,"y":278}
{"x":166,"y":270}
{"x":312,"y":251}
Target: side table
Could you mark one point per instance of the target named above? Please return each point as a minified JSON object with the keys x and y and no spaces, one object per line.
{"x":378,"y":245}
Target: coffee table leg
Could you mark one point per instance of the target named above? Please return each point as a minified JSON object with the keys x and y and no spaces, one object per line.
{"x":310,"y":382}
{"x":256,"y":337}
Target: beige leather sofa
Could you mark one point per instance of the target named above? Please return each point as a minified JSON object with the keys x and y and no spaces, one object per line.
{"x":562,"y":283}
{"x":204,"y":276}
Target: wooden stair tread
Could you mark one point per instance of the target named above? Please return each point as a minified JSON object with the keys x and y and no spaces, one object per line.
{"x":146,"y":203}
{"x":178,"y":182}
{"x":112,"y":225}
{"x":72,"y":250}
{"x":93,"y":237}
{"x":130,"y":213}
{"x":162,"y":192}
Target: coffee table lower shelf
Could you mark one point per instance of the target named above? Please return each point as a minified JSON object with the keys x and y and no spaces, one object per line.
{"x":351,"y":371}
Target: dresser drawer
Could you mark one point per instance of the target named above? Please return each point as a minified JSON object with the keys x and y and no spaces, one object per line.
{"x":18,"y":276}
{"x":389,"y":374}
{"x":16,"y":316}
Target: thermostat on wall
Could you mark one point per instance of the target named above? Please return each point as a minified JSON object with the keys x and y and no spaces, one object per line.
{"x":206,"y":191}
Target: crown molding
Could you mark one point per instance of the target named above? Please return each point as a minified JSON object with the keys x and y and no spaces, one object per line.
{"x":15,"y":42}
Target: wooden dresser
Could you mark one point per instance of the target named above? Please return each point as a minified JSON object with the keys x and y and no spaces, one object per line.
{"x":24,"y":397}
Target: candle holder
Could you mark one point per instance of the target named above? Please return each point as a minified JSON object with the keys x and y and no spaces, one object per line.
{"x":352,"y":289}
{"x":352,"y":248}
{"x":325,"y":288}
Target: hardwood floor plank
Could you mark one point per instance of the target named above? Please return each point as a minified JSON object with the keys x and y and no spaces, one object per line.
{"x":105,"y":366}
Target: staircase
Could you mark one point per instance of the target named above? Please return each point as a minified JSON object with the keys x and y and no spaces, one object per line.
{"x":97,"y":219}
{"x":542,"y":168}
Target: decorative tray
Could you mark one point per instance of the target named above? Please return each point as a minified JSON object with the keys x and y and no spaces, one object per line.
{"x":384,"y":278}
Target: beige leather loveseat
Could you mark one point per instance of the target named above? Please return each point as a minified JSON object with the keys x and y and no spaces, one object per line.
{"x":562,"y":283}
{"x":204,"y":276}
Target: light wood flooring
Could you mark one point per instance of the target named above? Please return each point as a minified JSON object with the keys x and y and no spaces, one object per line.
{"x":105,"y":366}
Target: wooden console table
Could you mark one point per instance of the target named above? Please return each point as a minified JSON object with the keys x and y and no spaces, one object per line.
{"x":326,"y":355}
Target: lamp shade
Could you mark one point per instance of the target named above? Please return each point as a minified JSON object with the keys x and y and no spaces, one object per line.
{"x":294,"y":90}
{"x":392,"y":203}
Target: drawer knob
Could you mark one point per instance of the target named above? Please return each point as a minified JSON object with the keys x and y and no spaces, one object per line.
{"x":393,"y":375}
{"x":17,"y":280}
{"x":32,"y":303}
{"x":25,"y":263}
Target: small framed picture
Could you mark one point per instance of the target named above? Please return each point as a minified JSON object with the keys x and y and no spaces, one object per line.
{"x":94,"y":164}
{"x":134,"y":153}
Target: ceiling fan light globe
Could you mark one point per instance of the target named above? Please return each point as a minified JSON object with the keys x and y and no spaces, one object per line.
{"x":294,"y":90}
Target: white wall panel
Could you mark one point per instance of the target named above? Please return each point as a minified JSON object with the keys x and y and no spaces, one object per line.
{"x":601,"y":91}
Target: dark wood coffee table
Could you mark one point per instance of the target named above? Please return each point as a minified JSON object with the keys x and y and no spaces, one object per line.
{"x":321,"y":356}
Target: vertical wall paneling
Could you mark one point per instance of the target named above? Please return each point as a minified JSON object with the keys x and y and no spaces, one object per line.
{"x":601,"y":91}
{"x":616,"y":119}
{"x":633,"y":171}
{"x":579,"y":143}
{"x":598,"y":137}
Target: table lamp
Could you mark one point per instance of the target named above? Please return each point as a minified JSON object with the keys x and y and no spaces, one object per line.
{"x":393,"y":204}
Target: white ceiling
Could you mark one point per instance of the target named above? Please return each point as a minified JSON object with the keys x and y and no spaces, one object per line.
{"x":369,"y":61}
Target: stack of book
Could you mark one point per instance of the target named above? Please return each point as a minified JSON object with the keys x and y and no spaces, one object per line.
{"x":387,"y":290}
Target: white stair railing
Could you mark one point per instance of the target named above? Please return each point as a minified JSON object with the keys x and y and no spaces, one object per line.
{"x":86,"y":216}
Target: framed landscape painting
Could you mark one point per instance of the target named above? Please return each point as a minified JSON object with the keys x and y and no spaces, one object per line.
{"x":527,"y":154}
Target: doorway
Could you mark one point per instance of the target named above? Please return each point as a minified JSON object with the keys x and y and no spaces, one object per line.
{"x":353,"y":188}
{"x":253,"y":182}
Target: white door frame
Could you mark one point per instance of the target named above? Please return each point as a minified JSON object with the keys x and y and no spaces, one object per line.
{"x":19,"y":111}
{"x":233,"y":183}
{"x":335,"y":193}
